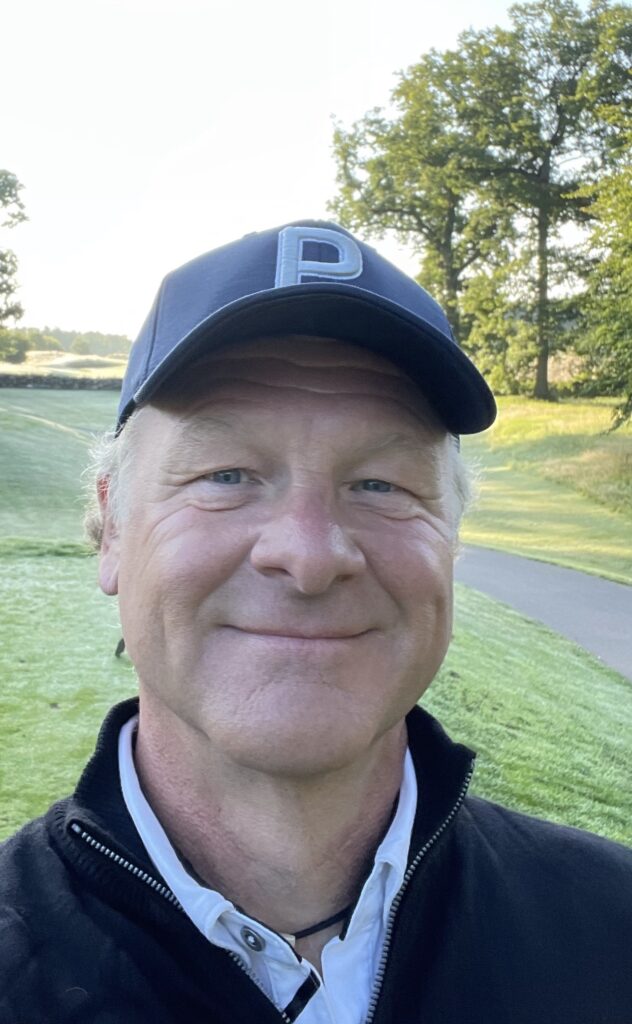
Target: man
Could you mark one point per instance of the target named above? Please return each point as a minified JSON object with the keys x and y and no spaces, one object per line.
{"x":276,"y":831}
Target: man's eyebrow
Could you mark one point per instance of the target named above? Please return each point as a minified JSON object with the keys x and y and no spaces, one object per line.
{"x":407,"y":442}
{"x":192,"y":434}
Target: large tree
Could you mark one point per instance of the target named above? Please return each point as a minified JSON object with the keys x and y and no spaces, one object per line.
{"x":11,"y":213}
{"x":489,"y":143}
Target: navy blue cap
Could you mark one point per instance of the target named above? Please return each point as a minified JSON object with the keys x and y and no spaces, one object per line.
{"x":311,"y":278}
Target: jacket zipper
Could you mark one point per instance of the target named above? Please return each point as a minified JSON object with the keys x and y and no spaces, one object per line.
{"x":153,"y":883}
{"x":381,"y":970}
{"x":166,"y":893}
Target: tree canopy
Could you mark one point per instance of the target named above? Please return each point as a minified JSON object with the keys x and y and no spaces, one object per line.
{"x":12,"y":213}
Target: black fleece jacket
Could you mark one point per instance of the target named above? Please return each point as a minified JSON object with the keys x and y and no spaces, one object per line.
{"x":503,"y":919}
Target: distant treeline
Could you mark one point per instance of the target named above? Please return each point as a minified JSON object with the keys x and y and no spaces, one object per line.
{"x":15,"y":342}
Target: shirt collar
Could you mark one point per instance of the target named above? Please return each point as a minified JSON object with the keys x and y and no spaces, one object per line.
{"x":216,"y":917}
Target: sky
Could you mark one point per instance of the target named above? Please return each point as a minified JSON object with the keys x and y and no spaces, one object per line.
{"x":146,"y":132}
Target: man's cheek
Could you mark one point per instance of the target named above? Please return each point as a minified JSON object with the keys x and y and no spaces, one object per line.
{"x":414,"y":570}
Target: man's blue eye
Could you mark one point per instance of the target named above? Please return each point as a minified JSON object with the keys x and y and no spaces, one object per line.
{"x":227,"y":476}
{"x":376,"y":485}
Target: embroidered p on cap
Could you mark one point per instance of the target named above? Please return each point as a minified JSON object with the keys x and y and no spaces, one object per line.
{"x":310,"y":278}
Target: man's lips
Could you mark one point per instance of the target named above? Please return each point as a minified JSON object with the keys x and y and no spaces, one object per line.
{"x":289,"y":633}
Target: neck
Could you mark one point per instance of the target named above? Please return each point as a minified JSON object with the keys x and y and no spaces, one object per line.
{"x":288,"y":851}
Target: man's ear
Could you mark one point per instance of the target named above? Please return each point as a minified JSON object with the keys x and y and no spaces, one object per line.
{"x":110,"y":545}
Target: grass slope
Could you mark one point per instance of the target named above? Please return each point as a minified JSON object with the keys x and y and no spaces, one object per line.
{"x":553,"y":727}
{"x":555,"y":486}
{"x":45,"y":439}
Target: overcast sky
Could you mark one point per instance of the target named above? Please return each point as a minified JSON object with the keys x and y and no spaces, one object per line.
{"x":148,"y":131}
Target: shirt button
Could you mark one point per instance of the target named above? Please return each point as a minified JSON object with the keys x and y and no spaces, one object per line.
{"x":252,"y":940}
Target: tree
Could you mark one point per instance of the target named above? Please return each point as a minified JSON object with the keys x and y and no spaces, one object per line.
{"x":498,"y":319}
{"x":534,"y":100}
{"x":15,"y":342}
{"x":13,"y":346}
{"x":13,"y":209}
{"x":39,"y":340}
{"x":80,"y":346}
{"x":608,"y":299}
{"x":487,"y":149}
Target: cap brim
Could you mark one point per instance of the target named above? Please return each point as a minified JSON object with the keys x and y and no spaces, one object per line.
{"x":444,"y":374}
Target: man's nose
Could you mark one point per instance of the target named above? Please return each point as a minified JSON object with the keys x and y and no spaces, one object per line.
{"x":304,"y":541}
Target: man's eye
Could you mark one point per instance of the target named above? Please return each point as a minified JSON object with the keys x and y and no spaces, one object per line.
{"x":228,"y":476}
{"x":381,"y":486}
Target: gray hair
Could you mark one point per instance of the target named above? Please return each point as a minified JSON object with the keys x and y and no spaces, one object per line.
{"x":109,"y":459}
{"x":111,"y":456}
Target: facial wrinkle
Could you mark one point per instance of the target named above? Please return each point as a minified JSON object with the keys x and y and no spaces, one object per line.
{"x":305,"y":350}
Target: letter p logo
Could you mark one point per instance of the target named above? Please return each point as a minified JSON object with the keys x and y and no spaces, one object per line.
{"x":292,"y":266}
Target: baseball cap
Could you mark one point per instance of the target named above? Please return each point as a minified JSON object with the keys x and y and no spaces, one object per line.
{"x":307,"y":278}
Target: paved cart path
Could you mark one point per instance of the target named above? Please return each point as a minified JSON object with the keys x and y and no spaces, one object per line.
{"x":595,"y":613}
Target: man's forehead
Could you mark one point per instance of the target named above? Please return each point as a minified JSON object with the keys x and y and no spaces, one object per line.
{"x":297,"y":363}
{"x":305,"y":350}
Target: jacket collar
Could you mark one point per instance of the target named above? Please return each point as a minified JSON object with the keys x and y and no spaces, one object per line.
{"x":97,"y":803}
{"x":443,"y":768}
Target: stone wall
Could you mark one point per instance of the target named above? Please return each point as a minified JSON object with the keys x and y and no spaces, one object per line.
{"x":33,"y":380}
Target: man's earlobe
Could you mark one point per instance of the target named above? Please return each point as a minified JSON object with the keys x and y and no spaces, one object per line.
{"x":110,"y":547}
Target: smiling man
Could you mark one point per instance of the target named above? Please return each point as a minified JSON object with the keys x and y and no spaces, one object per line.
{"x":274,"y":831}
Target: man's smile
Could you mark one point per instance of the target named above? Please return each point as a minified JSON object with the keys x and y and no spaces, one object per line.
{"x":288,"y":633}
{"x":292,"y":633}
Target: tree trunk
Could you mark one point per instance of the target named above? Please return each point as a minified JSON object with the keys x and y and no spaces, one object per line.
{"x":541,"y":389}
{"x":452,"y":301}
{"x":450,"y":272}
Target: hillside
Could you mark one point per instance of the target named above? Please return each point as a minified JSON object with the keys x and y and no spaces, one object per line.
{"x":555,"y":485}
{"x":45,"y":441}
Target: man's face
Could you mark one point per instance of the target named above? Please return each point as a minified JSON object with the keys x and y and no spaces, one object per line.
{"x":284,"y":563}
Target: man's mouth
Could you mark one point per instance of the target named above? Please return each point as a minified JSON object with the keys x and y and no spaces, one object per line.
{"x":292,"y":633}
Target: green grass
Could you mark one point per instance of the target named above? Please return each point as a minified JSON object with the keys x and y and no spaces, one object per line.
{"x":45,"y":439}
{"x":59,"y":676}
{"x":555,"y":486}
{"x":570,"y":442}
{"x":553,"y":727}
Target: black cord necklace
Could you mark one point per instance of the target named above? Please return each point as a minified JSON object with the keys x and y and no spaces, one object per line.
{"x":335,"y":918}
{"x":318,"y":927}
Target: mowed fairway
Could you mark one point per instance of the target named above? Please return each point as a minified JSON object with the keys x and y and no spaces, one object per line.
{"x":44,"y":440}
{"x":552,"y":727}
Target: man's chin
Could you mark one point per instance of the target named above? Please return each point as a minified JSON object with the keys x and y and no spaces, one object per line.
{"x":298,"y":760}
{"x":295,"y":742}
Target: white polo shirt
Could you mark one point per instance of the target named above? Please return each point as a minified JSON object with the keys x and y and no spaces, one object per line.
{"x":341,"y":995}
